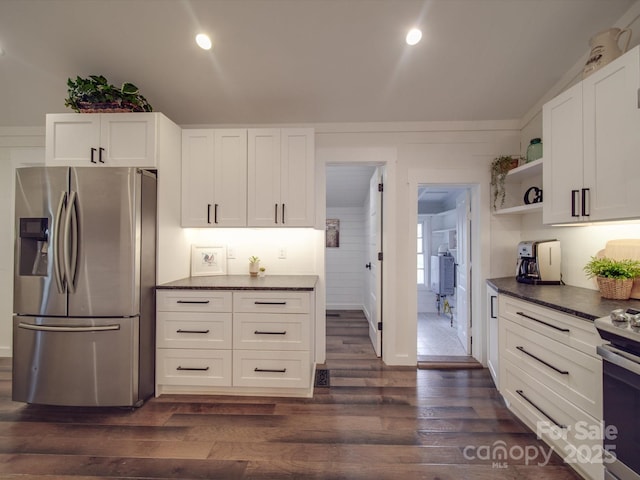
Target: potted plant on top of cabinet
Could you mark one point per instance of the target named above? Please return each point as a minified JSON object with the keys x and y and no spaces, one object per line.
{"x":95,"y":95}
{"x":499,"y":169}
{"x":614,"y":277}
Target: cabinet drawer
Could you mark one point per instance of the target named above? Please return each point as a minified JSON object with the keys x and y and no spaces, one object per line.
{"x":271,"y":369}
{"x":573,"y":331}
{"x":194,"y":330}
{"x":271,"y":302}
{"x":264,"y":331}
{"x":546,"y":412}
{"x":573,"y":374}
{"x":193,"y":367}
{"x":193,"y":301}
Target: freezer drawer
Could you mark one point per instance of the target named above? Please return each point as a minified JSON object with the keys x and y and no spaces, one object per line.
{"x":76,"y":361}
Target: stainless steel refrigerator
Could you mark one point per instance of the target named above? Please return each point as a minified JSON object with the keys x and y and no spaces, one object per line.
{"x":84,"y":277}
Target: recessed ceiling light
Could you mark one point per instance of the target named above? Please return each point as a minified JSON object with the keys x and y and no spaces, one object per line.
{"x":413,"y":36}
{"x":203,"y":41}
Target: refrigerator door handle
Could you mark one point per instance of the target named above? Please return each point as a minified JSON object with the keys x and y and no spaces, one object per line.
{"x":45,"y":328}
{"x":57,"y":270}
{"x":71,"y":242}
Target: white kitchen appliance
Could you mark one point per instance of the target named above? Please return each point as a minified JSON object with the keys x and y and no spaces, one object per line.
{"x":539,"y":262}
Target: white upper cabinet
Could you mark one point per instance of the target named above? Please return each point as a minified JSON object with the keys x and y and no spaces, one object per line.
{"x":591,"y":146}
{"x":281,"y":177}
{"x":102,"y":139}
{"x":214,"y":178}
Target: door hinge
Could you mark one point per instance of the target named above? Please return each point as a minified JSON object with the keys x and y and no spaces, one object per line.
{"x":380,"y":256}
{"x":380,"y":326}
{"x":381,"y":187}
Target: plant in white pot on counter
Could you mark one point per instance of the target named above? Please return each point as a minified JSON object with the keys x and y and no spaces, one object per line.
{"x":254,"y":265}
{"x":614,"y":277}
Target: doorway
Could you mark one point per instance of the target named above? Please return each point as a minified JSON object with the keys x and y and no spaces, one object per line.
{"x":443,"y":273}
{"x":353,"y":266}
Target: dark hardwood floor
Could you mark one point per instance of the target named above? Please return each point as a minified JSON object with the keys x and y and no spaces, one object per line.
{"x":373,"y":422}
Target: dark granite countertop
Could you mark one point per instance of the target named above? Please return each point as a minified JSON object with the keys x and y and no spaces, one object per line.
{"x":582,"y":302}
{"x":244,"y":282}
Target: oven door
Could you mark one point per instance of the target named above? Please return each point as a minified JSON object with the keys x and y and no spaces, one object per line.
{"x":621,"y":402}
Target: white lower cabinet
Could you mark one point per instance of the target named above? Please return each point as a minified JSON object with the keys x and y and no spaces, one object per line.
{"x":240,"y":342}
{"x":551,"y":379}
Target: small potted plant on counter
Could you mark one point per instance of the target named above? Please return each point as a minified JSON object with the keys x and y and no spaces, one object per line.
{"x":499,"y":169}
{"x":254,"y":265}
{"x":614,"y":277}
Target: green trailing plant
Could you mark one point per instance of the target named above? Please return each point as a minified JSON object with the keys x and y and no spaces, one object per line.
{"x":609,"y":268}
{"x":82,"y":93}
{"x":499,"y":169}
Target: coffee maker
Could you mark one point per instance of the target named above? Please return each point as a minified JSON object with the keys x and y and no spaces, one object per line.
{"x":539,"y":262}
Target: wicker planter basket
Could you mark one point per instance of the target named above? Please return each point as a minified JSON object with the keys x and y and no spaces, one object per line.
{"x":115,"y":107}
{"x":615,"y":288}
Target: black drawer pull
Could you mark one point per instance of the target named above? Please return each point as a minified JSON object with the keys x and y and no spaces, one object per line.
{"x":269,"y":303}
{"x":258,"y":332}
{"x":521,"y":393}
{"x":196,"y":369}
{"x":192,"y":331}
{"x":563,"y":372}
{"x":268,"y":370}
{"x":566,"y":330}
{"x":202,"y":302}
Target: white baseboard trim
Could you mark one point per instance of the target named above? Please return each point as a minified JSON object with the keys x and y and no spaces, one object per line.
{"x":5,"y":352}
{"x":344,"y":307}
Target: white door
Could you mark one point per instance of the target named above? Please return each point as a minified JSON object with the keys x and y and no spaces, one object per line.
{"x":197,"y":177}
{"x":263,"y":186}
{"x":374,"y":266}
{"x":297,"y":179}
{"x":229,"y":178}
{"x":463,"y":270}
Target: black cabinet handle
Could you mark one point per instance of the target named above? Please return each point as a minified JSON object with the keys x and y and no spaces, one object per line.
{"x":269,"y":303}
{"x":215,"y":213}
{"x":521,"y":393}
{"x":192,"y":331}
{"x":573,"y":202}
{"x":493,"y":312}
{"x":194,"y":369}
{"x":565,"y":330}
{"x":208,"y":213}
{"x":100,"y":150}
{"x":203,"y":302}
{"x":258,"y":332}
{"x":545,"y":363}
{"x":283,"y":213}
{"x":275,"y":213}
{"x":93,"y":151}
{"x":586,"y":194}
{"x":269,"y":370}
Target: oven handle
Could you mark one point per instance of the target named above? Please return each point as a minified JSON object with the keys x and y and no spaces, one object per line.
{"x":619,"y":357}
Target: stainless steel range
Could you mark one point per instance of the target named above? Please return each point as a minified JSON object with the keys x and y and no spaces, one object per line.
{"x":621,"y":392}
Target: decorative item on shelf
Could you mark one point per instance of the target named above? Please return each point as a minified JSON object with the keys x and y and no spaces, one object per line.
{"x":614,"y":277}
{"x":499,"y":169}
{"x":254,"y":266}
{"x":261,"y":272}
{"x":605,"y":49}
{"x":532,"y":195}
{"x":96,"y":95}
{"x":534,"y":150}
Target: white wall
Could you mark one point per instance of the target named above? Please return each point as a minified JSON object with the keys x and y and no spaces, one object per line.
{"x":18,"y":147}
{"x":345,"y":265}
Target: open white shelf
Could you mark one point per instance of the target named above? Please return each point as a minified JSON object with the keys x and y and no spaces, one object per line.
{"x":520,"y":209}
{"x":523,"y":172}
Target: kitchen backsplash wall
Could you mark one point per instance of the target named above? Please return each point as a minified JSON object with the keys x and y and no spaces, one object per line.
{"x":269,"y":244}
{"x":578,"y":243}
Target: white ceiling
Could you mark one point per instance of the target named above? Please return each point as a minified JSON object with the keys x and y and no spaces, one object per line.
{"x":298,"y":61}
{"x":348,"y":185}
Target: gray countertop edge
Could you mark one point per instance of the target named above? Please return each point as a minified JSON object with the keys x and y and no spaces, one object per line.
{"x":581,"y":302}
{"x":304,"y":283}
